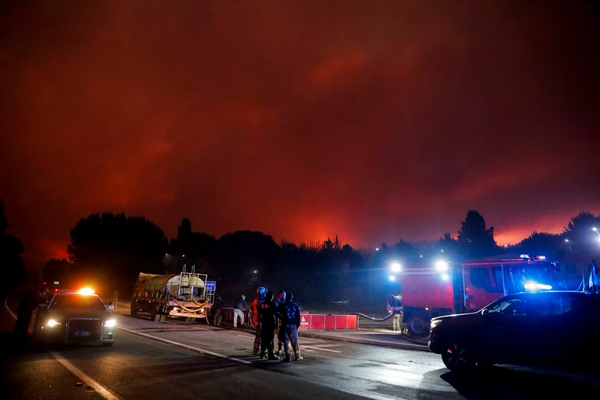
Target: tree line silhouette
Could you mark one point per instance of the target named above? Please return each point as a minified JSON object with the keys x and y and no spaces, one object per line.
{"x":110,"y":250}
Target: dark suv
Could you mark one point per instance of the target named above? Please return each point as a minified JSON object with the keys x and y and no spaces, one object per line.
{"x":533,"y":329}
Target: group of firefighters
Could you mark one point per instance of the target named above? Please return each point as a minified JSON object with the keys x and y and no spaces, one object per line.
{"x":272,"y":317}
{"x":276,"y":318}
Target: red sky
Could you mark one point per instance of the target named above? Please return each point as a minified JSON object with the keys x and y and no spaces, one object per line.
{"x":303,"y":119}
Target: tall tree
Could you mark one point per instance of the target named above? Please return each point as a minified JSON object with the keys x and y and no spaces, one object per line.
{"x":197,"y":245}
{"x":404,"y":250}
{"x":241,"y":252}
{"x":60,"y":271}
{"x":542,"y":244}
{"x":475,"y":239}
{"x":3,"y":222}
{"x":113,"y":249}
{"x":582,"y":238}
{"x":451,"y":247}
{"x":11,"y":263}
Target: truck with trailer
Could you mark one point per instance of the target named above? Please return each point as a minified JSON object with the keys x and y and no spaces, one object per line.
{"x":430,"y":291}
{"x":184,"y":296}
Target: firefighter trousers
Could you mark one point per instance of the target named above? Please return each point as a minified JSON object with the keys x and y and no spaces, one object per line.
{"x":397,"y":322}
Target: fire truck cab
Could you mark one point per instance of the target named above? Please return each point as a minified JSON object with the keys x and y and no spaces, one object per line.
{"x":433,"y":290}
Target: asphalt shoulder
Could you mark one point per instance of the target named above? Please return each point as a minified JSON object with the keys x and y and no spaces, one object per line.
{"x":376,"y":337}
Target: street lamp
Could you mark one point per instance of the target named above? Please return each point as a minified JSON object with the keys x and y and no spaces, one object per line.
{"x":597,"y":233}
{"x":441,"y":266}
{"x":567,"y":241}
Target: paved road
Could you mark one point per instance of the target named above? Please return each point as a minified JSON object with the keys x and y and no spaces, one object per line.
{"x":177,"y":360}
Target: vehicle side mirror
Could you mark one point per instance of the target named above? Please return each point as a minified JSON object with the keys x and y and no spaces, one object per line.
{"x":110,"y":306}
{"x":485,"y":312}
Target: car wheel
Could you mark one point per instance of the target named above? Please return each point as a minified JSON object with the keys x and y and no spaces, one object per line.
{"x":418,"y":324}
{"x":134,"y":309}
{"x":109,"y":344}
{"x":457,"y":359}
{"x":154,"y":312}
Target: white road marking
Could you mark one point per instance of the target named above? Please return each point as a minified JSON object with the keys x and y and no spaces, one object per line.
{"x":186,"y":346}
{"x":101,"y":390}
{"x":326,"y":344}
{"x":379,"y":396}
{"x":8,"y":309}
{"x":319,"y":349}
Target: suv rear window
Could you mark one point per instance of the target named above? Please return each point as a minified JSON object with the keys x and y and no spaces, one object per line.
{"x":516,"y":306}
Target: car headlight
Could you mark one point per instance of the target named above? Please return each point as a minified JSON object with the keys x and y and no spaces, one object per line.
{"x":110,"y":323}
{"x":52,"y":323}
{"x":435,"y":323}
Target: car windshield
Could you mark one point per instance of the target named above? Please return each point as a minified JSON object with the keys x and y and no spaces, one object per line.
{"x":77,"y":301}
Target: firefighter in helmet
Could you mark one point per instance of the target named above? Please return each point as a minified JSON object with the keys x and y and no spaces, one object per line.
{"x":395,"y":308}
{"x":261,"y":294}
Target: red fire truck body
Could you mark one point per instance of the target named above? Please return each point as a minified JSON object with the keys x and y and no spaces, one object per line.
{"x":431,"y":291}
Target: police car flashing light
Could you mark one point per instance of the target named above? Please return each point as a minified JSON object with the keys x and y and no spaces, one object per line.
{"x":534,"y":286}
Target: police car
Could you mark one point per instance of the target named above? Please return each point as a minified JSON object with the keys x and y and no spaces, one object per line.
{"x":75,"y":317}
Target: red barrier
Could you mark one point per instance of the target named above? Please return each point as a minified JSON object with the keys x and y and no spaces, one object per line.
{"x":322,"y":322}
{"x":305,"y":321}
{"x":330,"y":322}
{"x":317,"y":322}
{"x":353,"y":322}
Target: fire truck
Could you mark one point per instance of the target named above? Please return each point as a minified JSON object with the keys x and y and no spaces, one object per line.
{"x":430,"y":291}
{"x":182,"y":295}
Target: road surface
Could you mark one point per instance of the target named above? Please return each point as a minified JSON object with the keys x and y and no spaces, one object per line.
{"x":175,"y":360}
